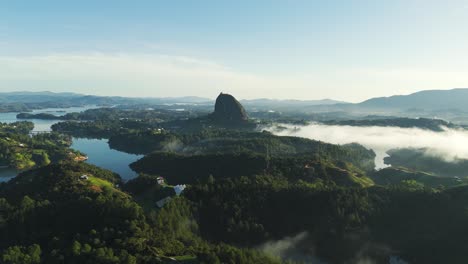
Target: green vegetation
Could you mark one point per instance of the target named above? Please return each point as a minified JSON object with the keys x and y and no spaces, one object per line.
{"x":426,"y":161}
{"x":45,"y":116}
{"x":53,"y":215}
{"x":218,"y":141}
{"x":244,"y":211}
{"x":392,"y":175}
{"x":339,"y":222}
{"x":21,"y":150}
{"x":193,"y":157}
{"x":146,"y":190}
{"x":250,"y":196}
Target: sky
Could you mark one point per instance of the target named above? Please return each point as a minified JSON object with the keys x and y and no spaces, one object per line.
{"x":297,"y":49}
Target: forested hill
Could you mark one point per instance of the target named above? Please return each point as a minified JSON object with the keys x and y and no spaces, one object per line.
{"x":19,"y":149}
{"x":426,"y":160}
{"x":188,"y":158}
{"x":54,"y":215}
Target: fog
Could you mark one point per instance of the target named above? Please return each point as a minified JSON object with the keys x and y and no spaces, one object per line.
{"x":296,"y":248}
{"x":450,"y":144}
{"x":301,"y":248}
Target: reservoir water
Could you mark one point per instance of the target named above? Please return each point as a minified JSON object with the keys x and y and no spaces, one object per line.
{"x":101,"y":155}
{"x":97,"y":150}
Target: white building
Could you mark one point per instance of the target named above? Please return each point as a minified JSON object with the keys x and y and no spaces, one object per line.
{"x":179,"y":188}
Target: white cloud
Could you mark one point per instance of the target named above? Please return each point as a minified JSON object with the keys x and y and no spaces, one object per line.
{"x":448,"y":144}
{"x":125,"y":74}
{"x":169,"y":75}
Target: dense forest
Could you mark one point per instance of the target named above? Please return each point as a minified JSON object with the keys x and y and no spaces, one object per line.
{"x":427,"y":160}
{"x":53,"y":215}
{"x":107,"y":122}
{"x":215,"y":189}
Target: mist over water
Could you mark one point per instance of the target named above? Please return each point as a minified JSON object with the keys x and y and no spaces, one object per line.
{"x":449,"y":144}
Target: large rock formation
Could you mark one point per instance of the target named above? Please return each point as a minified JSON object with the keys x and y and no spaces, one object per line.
{"x":228,"y":109}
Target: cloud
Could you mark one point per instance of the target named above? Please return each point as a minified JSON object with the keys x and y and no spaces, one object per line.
{"x":301,"y":248}
{"x":292,"y":248}
{"x":280,"y":247}
{"x":449,"y":144}
{"x":159,"y":74}
{"x":125,"y":74}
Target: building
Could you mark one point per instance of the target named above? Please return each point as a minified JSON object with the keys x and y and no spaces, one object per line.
{"x":160,"y":180}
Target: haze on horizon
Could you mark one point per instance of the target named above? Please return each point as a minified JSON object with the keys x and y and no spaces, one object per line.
{"x":343,"y":50}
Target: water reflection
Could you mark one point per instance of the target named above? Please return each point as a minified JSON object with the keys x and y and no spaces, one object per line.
{"x":6,"y":174}
{"x":100,"y":154}
{"x":98,"y":151}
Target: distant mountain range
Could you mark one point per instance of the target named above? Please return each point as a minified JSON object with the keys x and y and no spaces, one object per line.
{"x":265,"y":101}
{"x":34,"y":97}
{"x":74,"y":98}
{"x":427,"y":102}
{"x":282,"y":105}
{"x":455,"y":100}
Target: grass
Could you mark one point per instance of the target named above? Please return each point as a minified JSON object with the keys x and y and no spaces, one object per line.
{"x":363,"y":181}
{"x":99,"y":182}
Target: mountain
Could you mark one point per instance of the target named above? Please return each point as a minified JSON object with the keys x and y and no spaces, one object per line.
{"x":227,"y":108}
{"x":430,"y":100}
{"x":34,"y":97}
{"x":449,"y":105}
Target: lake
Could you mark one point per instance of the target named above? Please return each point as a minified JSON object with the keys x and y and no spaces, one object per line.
{"x":100,"y":154}
{"x":43,"y":125}
{"x":97,"y":150}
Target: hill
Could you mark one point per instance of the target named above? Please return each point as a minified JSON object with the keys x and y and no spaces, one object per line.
{"x":427,"y":160}
{"x":228,"y":109}
{"x":265,"y":104}
{"x":424,"y":100}
{"x":398,"y":175}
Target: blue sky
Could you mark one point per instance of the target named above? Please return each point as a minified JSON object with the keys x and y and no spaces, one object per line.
{"x":346,"y":50}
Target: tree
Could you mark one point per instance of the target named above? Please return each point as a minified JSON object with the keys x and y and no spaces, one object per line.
{"x":22,"y":255}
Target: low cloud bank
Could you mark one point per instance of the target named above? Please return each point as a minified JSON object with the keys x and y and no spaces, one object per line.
{"x":450,"y":144}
